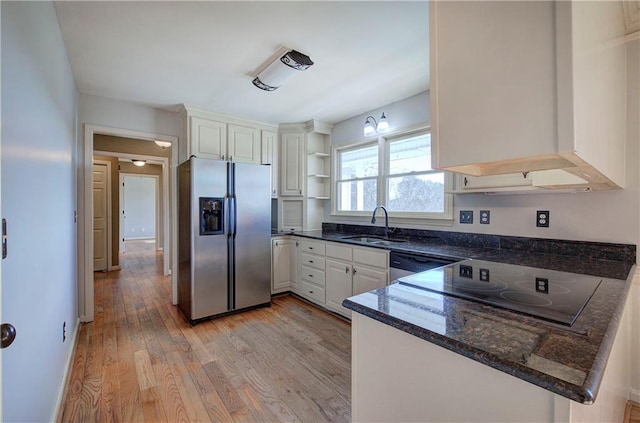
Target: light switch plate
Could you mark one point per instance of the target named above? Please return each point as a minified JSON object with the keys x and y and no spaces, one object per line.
{"x":466,"y":216}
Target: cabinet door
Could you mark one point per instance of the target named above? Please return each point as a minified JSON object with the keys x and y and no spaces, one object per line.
{"x":282,"y":255}
{"x":208,"y":138}
{"x":366,"y":279}
{"x":338,"y":285}
{"x":269,"y":140}
{"x":493,"y":84}
{"x":244,"y":144}
{"x":292,"y":164}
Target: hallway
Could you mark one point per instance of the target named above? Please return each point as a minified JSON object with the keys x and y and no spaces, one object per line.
{"x":141,"y":361}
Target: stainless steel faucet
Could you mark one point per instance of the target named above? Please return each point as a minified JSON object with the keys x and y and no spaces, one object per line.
{"x":386,"y":219}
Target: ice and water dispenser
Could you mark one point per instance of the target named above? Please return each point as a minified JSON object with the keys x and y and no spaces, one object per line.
{"x":211,"y":216}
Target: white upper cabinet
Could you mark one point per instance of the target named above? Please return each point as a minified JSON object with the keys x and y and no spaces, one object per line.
{"x":208,"y":138}
{"x":244,"y":144}
{"x":292,"y":163}
{"x":269,"y":141}
{"x":217,"y":136}
{"x":529,"y":86}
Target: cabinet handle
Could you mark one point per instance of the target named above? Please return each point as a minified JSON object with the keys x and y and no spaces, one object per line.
{"x":310,"y":276}
{"x":311,"y":248}
{"x":223,"y":157}
{"x":466,"y":181}
{"x":310,"y":292}
{"x":346,"y":269}
{"x":300,"y":192}
{"x":310,"y":261}
{"x":354,"y":270}
{"x":276,"y":243}
{"x":296,"y":241}
{"x":230,"y":158}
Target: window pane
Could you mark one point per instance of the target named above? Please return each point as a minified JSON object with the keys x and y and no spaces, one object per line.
{"x":360,"y":163}
{"x":410,"y":154}
{"x":357,"y":195}
{"x":416,"y":193}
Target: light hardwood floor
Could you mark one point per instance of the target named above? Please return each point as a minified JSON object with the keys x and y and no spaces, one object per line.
{"x":632,"y":413}
{"x":141,"y":361}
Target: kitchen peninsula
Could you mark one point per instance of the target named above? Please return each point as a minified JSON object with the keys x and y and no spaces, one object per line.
{"x":420,"y":355}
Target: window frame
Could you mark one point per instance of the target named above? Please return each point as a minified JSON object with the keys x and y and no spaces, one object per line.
{"x":383,"y":142}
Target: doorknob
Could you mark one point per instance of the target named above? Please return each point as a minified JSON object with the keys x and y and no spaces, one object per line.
{"x":7,"y":334}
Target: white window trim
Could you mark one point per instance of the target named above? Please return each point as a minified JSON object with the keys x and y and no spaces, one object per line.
{"x":431,"y":219}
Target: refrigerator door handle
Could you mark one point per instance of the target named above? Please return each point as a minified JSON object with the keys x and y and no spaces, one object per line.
{"x":235,"y":216}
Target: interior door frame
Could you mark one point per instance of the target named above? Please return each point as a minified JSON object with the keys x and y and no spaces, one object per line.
{"x":157,"y":208}
{"x":109,"y":214}
{"x":86,"y":301}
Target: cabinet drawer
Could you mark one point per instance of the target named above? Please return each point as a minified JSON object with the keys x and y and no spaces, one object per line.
{"x":312,"y":275}
{"x":371,"y":257}
{"x":312,"y":247}
{"x":339,"y":251}
{"x":312,"y":260}
{"x":312,"y":292}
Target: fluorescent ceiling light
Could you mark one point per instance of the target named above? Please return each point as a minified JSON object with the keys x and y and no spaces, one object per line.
{"x":281,"y":69}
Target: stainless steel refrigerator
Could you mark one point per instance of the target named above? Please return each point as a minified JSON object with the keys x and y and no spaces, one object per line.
{"x":224,"y":237}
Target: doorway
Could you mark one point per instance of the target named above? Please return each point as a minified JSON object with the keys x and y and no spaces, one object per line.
{"x":86,"y":300}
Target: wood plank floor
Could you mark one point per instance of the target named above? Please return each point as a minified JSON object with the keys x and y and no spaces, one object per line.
{"x":141,"y":361}
{"x":632,"y":413}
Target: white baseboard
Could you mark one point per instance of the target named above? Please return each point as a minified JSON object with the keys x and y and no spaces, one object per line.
{"x":634,"y":395}
{"x":57,"y":412}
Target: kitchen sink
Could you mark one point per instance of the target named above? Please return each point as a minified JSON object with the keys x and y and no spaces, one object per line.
{"x":376,"y":240}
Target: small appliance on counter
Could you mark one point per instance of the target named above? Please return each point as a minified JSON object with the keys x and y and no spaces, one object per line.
{"x":224,"y":237}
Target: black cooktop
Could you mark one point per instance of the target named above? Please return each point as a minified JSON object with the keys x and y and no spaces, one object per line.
{"x":548,"y":294}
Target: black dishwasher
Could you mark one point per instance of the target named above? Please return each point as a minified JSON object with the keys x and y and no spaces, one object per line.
{"x":404,"y":264}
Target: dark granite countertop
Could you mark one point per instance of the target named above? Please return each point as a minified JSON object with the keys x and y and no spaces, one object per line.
{"x":568,"y":361}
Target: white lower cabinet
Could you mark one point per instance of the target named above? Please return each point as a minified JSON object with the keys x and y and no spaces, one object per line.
{"x":326,"y":273}
{"x":351,"y":271}
{"x":311,"y":275}
{"x":283,"y":259}
{"x":340,"y":284}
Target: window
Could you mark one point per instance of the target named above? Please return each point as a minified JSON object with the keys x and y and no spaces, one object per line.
{"x":396,"y":172}
{"x":358,"y":178}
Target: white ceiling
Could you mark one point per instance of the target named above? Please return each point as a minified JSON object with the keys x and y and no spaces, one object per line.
{"x":366,"y":54}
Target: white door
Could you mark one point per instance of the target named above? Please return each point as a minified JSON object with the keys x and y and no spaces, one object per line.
{"x":100,"y":210}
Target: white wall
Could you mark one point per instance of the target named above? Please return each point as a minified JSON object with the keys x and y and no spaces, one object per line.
{"x":139,"y":207}
{"x":126,"y":115}
{"x":39,"y":103}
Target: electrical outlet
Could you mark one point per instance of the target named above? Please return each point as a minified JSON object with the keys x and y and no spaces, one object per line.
{"x":485,"y":216}
{"x":466,"y":216}
{"x":64,"y":331}
{"x":542,"y":218}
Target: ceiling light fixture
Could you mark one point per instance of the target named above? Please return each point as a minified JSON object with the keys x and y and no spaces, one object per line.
{"x":380,"y":126}
{"x":163,"y":144}
{"x":281,"y":69}
{"x":139,"y":163}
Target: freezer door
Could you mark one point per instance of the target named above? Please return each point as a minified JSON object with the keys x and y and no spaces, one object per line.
{"x":209,"y":285}
{"x":252,"y":252}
